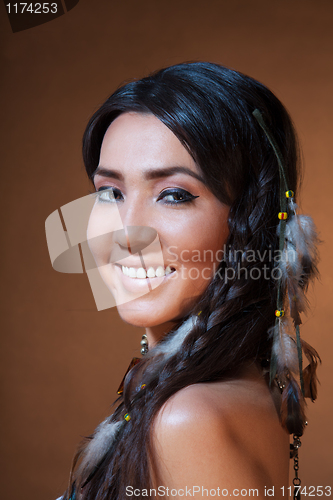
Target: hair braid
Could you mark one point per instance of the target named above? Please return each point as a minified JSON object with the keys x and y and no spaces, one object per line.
{"x":208,"y":108}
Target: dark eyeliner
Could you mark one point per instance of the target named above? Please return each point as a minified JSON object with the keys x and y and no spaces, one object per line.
{"x":103,"y":188}
{"x":182,"y":193}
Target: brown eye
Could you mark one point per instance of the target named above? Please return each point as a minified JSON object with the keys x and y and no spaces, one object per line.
{"x":109,"y":194}
{"x":175,"y":196}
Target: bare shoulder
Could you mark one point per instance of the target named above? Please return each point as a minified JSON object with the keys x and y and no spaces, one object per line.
{"x":221,"y":434}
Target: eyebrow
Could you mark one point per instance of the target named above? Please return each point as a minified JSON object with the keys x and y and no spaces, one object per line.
{"x":149,"y":174}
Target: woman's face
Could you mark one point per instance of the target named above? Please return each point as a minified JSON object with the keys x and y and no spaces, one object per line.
{"x":155,"y":183}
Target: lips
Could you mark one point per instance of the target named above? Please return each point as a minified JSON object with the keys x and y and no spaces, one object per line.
{"x":130,"y":285}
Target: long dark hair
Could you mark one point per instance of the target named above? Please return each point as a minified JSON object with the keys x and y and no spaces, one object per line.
{"x":209,"y":108}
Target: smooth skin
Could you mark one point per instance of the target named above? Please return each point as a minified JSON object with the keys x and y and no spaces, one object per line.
{"x":226,"y":434}
{"x":156,"y":183}
{"x":223,"y":435}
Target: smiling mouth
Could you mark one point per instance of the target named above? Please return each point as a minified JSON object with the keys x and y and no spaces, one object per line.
{"x":151,"y":272}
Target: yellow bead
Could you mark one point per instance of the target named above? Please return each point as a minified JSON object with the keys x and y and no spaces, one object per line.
{"x":289,"y":194}
{"x":143,"y":386}
{"x":127,"y":417}
{"x":279,"y":314}
{"x":199,"y":313}
{"x":282,"y":215}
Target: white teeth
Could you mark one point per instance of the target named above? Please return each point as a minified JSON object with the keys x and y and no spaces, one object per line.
{"x":151,"y":272}
{"x":132,"y":272}
{"x":160,"y":272}
{"x":141,"y":273}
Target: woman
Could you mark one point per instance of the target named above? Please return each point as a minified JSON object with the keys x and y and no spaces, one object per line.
{"x":199,"y":164}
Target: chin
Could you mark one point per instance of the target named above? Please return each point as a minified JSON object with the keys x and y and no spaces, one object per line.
{"x":138,"y":315}
{"x":149,"y":315}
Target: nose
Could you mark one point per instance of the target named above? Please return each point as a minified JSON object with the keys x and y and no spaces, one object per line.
{"x":134,"y":239}
{"x":137,"y":233}
{"x":131,"y":239}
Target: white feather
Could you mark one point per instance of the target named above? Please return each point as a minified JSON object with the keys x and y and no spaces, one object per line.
{"x":292,"y":205}
{"x":99,"y":444}
{"x":308,"y":243}
{"x":289,"y":263}
{"x":171,"y":344}
{"x":301,"y":232}
{"x":284,"y":347}
{"x":300,"y":242}
{"x":168,"y":348}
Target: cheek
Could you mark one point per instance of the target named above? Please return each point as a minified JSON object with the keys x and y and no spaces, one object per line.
{"x":199,"y":243}
{"x":214,"y":233}
{"x":206,"y":253}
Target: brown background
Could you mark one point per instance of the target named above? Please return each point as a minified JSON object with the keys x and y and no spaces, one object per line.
{"x":61,"y":359}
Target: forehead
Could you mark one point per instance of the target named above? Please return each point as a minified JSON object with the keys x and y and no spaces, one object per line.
{"x":144,"y":140}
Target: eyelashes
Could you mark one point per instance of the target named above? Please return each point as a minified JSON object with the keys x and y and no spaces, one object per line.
{"x":108,"y":194}
{"x":174,"y":196}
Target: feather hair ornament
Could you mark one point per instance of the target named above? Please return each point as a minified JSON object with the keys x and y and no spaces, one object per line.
{"x":298,"y":261}
{"x":93,"y":453}
{"x":292,"y":409}
{"x":284,"y":349}
{"x":168,"y":347}
{"x":309,"y":372}
{"x":171,"y":344}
